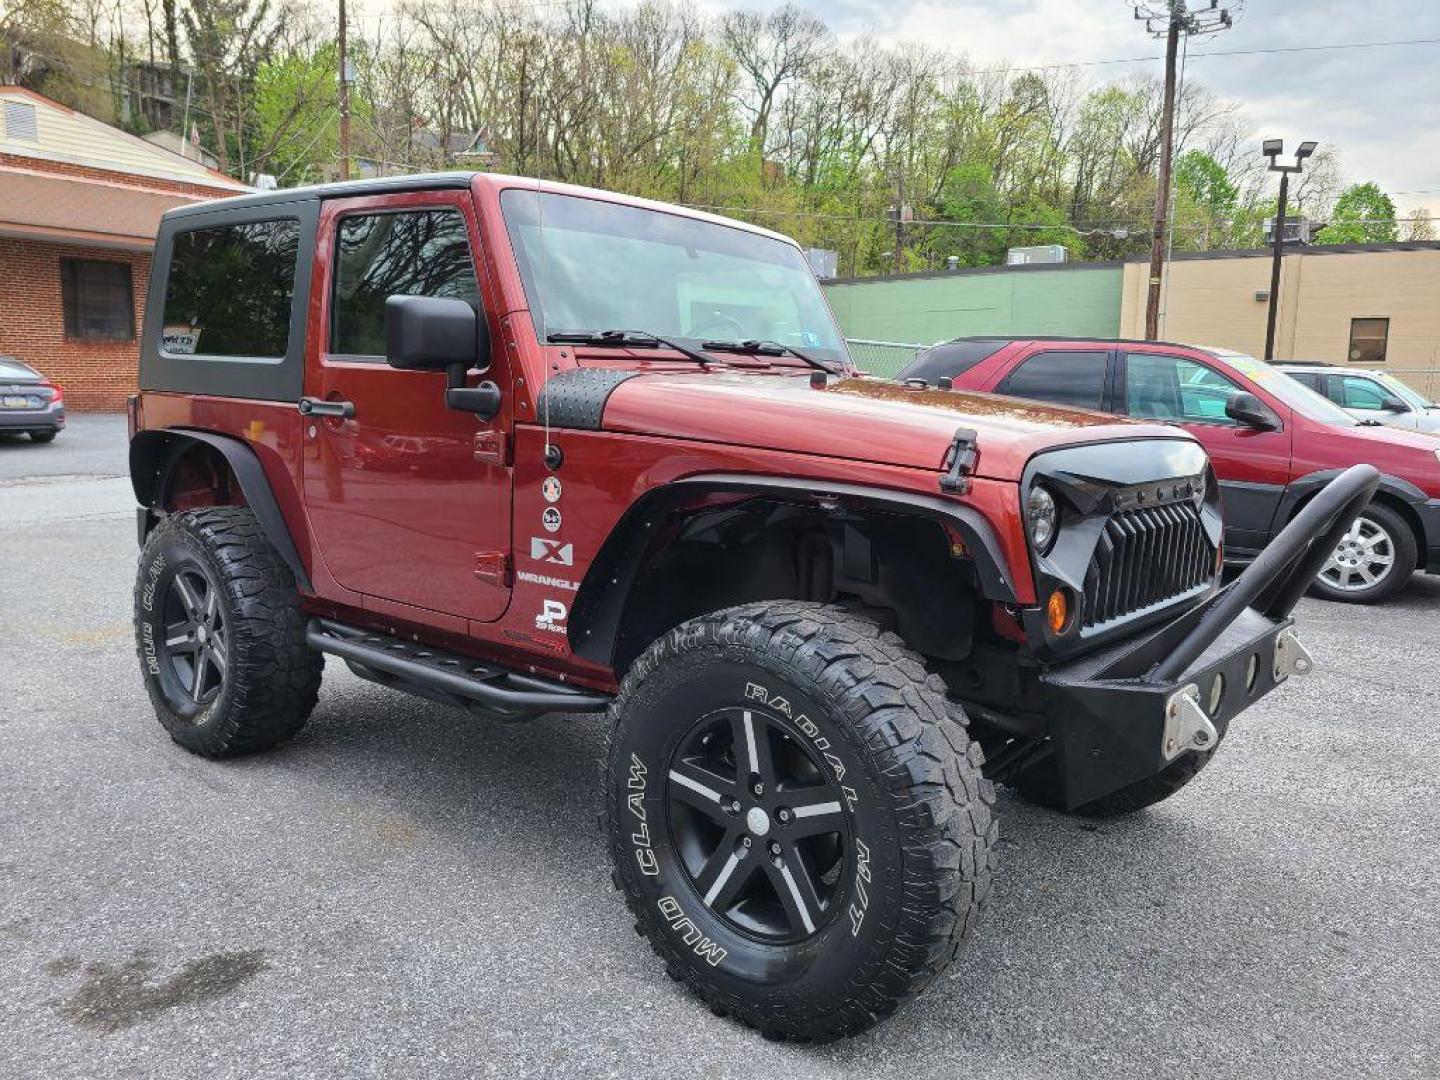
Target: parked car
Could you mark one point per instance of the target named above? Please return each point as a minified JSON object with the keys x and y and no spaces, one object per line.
{"x":1271,"y":440}
{"x":29,"y":402}
{"x":647,"y":481}
{"x":1368,"y":395}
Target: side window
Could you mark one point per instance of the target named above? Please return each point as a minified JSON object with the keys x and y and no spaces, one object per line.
{"x":410,"y":253}
{"x":1360,"y":394}
{"x":1064,"y":378}
{"x":1173,"y":388}
{"x":230,"y":290}
{"x":1307,"y":379}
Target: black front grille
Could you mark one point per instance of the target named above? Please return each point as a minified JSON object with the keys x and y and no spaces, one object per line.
{"x":1146,"y":556}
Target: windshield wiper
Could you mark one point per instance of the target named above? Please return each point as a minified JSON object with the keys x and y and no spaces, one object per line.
{"x":642,"y":339}
{"x":765,"y":348}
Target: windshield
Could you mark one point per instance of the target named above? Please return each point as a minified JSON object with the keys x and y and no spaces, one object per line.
{"x":1402,"y":390}
{"x":1298,"y":396}
{"x":589,"y":265}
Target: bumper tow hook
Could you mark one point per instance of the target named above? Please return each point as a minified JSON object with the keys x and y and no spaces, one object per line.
{"x":1291,"y":658}
{"x":1186,"y":725}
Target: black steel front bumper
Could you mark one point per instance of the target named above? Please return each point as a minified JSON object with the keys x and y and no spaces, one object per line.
{"x":1129,"y":711}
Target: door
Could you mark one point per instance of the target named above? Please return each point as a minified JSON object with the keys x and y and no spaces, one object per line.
{"x":408,"y":500}
{"x":1252,"y":465}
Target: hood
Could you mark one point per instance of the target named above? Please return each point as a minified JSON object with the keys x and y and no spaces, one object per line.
{"x":859,"y":419}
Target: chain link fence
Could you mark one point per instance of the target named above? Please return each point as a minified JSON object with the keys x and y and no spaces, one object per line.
{"x":882,"y":358}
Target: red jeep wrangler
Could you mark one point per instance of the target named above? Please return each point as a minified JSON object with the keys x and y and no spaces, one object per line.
{"x":522,"y":448}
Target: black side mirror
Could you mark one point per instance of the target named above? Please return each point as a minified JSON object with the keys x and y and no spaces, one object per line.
{"x":433,"y":333}
{"x":1391,"y":403}
{"x":1245,"y":408}
{"x":430,"y":333}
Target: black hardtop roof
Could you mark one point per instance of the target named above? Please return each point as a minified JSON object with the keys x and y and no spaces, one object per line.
{"x":345,"y":188}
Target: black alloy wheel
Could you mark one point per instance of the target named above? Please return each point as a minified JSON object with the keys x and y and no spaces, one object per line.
{"x":762,"y":833}
{"x":195,"y":645}
{"x":220,"y":634}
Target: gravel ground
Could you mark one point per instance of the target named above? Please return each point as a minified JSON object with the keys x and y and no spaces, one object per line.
{"x":404,"y":891}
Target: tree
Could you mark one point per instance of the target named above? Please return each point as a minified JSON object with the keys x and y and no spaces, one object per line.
{"x":1204,"y":181}
{"x":1363,"y":214}
{"x":1419,"y":225}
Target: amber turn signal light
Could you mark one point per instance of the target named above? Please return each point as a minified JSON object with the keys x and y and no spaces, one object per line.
{"x":1057,"y":612}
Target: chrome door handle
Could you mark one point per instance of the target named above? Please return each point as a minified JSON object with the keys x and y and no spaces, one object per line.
{"x":342,"y":410}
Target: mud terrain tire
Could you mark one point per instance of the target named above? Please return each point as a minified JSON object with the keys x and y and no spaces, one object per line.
{"x":822,"y":735}
{"x":213,"y":594}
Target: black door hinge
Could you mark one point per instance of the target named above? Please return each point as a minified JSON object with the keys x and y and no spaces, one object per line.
{"x":959,"y":462}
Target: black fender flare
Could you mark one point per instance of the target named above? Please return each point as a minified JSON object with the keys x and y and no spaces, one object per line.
{"x":1302,"y":488}
{"x":600,"y":603}
{"x":154,"y":453}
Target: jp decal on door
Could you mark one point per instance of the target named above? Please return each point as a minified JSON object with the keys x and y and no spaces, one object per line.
{"x":552,"y":617}
{"x":550,"y":519}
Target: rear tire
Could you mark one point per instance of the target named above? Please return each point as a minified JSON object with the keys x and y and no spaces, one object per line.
{"x":43,"y":436}
{"x":220,"y":635}
{"x":819,"y":734}
{"x":1380,"y":544}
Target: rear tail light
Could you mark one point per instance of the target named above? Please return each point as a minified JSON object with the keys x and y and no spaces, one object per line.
{"x":57,"y":395}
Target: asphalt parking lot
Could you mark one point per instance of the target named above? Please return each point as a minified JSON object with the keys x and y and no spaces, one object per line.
{"x":405,"y":891}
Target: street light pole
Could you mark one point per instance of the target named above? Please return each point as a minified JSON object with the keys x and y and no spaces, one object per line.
{"x":1272,"y":148}
{"x":1279,"y":239}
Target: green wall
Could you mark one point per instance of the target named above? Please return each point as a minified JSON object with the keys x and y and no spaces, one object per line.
{"x":1079,"y":302}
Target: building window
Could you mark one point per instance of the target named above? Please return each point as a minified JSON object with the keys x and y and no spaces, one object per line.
{"x":1367,"y":340}
{"x":98,"y":301}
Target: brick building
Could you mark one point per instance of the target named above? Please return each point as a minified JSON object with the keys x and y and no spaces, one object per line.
{"x":79,"y":205}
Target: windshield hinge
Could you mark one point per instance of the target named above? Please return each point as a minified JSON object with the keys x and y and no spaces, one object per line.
{"x":959,"y":462}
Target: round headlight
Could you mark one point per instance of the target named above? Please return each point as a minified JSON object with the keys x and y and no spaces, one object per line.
{"x":1042,"y":519}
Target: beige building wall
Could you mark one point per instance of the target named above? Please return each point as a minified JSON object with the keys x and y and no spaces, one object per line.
{"x":1211,"y":301}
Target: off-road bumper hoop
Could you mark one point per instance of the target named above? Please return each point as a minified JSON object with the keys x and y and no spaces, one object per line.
{"x":1127,"y":712}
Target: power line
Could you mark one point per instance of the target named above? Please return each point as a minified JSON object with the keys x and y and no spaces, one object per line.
{"x":1210,"y":53}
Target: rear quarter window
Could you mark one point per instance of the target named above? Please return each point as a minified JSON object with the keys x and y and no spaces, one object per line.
{"x":230,"y":290}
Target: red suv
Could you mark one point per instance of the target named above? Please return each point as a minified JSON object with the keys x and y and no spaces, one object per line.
{"x":1273,"y":442}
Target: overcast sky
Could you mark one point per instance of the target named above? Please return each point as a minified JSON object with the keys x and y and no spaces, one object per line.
{"x":1379,"y":106}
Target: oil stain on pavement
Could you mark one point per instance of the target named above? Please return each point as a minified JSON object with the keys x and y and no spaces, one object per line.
{"x":117,"y":996}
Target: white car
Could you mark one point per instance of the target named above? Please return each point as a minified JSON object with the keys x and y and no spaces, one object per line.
{"x":1368,"y":395}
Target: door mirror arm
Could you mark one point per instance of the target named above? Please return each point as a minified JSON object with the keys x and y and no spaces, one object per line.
{"x":482,"y":400}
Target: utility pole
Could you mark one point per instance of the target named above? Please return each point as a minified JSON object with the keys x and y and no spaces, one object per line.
{"x":344,"y":101}
{"x":897,"y":215}
{"x":1272,"y":149}
{"x":1169,"y":19}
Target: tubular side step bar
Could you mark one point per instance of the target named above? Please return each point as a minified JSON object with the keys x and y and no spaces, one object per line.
{"x":448,"y":677}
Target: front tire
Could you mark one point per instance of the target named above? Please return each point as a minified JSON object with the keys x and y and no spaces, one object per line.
{"x":797,"y":816}
{"x":1373,"y":561}
{"x":220,"y":635}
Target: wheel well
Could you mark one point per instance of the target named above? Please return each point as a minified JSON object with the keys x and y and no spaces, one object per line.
{"x":187,"y":469}
{"x":726,"y":549}
{"x":1390,"y":501}
{"x":199,"y":476}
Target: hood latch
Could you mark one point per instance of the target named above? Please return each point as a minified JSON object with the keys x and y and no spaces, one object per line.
{"x":959,"y":462}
